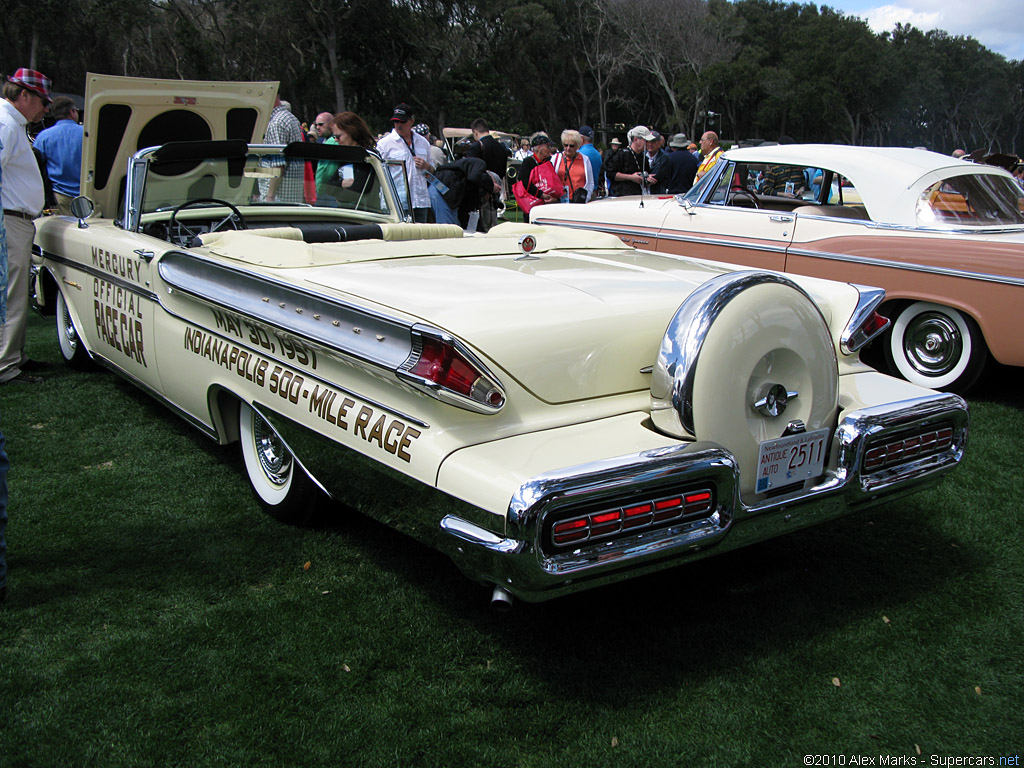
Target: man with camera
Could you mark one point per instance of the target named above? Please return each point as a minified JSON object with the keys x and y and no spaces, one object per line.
{"x":629,"y":169}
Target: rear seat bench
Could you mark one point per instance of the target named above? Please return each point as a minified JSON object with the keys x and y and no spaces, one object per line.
{"x":330,"y":232}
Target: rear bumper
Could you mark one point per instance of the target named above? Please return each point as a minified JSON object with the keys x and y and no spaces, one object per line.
{"x":527,"y":564}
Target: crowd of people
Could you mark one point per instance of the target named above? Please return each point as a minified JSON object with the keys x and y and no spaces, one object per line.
{"x":467,"y":190}
{"x":580,"y":173}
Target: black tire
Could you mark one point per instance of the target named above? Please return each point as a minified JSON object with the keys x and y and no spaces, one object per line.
{"x":281,"y":485}
{"x":935,"y":347}
{"x":68,"y":339}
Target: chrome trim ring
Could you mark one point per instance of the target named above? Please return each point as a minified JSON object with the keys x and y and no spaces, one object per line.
{"x":674,"y":372}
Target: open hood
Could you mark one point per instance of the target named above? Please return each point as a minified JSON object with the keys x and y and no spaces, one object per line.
{"x":126,"y":114}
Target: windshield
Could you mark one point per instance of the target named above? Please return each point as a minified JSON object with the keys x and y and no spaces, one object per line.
{"x":695,"y":192}
{"x":981,"y":200}
{"x":322,"y":175}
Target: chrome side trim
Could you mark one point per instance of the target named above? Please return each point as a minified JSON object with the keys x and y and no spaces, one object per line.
{"x":665,"y":235}
{"x":105,"y":276}
{"x":331,"y":324}
{"x":868,"y":301}
{"x":676,"y":367}
{"x":983,"y":276}
{"x":335,"y":324}
{"x":793,"y":251}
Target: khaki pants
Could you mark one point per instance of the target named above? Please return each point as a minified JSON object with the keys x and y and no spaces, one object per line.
{"x":20,"y":233}
{"x":63,"y":203}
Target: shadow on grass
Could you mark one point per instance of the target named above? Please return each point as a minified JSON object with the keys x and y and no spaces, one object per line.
{"x":1000,"y":384}
{"x":636,"y":639}
{"x":678,"y":627}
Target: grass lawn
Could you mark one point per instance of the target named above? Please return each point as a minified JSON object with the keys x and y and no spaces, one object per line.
{"x":157,"y":618}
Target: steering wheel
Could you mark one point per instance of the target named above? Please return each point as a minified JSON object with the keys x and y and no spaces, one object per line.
{"x":235,"y":219}
{"x":748,"y":193}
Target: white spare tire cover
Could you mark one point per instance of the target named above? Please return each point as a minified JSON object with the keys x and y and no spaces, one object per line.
{"x":731,"y":342}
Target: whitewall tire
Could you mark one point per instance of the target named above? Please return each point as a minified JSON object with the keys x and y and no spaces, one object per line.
{"x":935,"y":347}
{"x":281,"y":485}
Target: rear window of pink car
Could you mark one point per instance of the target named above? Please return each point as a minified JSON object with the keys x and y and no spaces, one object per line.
{"x":979,"y":200}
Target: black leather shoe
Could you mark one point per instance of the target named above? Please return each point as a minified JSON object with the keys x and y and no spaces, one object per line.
{"x":26,"y":378}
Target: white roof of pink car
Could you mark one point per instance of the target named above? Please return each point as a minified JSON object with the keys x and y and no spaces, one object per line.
{"x":889,"y":179}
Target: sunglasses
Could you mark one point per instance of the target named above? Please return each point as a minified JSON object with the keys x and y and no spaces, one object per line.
{"x":570,"y":146}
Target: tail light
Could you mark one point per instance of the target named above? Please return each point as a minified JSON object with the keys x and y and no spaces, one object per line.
{"x":442,"y":367}
{"x":691,"y":505}
{"x":865,"y":322}
{"x":910,"y":448}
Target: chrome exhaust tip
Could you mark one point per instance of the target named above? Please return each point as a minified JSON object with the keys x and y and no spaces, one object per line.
{"x":501,"y":600}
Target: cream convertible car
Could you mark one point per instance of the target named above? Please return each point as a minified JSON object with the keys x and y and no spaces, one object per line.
{"x":943,"y":237}
{"x":559,"y":409}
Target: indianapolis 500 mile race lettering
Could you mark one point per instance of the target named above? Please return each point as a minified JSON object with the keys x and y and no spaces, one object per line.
{"x":374,"y":426}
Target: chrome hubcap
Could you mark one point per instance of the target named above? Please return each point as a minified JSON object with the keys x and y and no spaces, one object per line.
{"x":273,"y":456}
{"x":933,"y":344}
{"x":774,"y":401}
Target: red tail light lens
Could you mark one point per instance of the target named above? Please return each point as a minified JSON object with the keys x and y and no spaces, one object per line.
{"x":441,"y":367}
{"x":692,"y":505}
{"x":919,"y":446}
{"x":865,"y":323}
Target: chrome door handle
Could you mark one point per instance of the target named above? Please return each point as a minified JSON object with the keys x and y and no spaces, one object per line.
{"x":781,"y":219}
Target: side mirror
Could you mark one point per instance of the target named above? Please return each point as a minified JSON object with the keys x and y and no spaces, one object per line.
{"x":82,"y":208}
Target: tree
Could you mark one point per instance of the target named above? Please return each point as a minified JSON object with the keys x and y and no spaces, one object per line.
{"x":671,"y":53}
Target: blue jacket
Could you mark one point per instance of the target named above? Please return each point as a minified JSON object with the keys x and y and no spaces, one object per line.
{"x":61,"y":145}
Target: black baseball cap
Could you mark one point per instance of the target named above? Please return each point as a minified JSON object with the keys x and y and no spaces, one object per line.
{"x":401,"y":113}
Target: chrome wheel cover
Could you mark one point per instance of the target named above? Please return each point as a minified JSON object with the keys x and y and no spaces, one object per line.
{"x":67,"y":327}
{"x":933,"y":344}
{"x":274,"y":458}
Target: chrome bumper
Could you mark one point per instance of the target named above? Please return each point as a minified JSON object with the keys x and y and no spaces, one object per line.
{"x":524,"y":563}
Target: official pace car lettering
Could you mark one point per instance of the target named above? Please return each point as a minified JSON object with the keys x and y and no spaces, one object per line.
{"x":373,"y":426}
{"x":122,"y":266}
{"x":118,"y":314}
{"x":268,"y":340}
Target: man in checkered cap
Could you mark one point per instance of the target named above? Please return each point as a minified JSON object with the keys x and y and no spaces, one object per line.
{"x":26,"y":98}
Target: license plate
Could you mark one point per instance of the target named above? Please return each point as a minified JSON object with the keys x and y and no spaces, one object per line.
{"x":791,"y":459}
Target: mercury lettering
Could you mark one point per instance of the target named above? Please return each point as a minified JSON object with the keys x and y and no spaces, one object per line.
{"x":122,"y":266}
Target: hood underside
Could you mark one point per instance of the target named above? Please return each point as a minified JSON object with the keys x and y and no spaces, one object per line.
{"x":126,"y":114}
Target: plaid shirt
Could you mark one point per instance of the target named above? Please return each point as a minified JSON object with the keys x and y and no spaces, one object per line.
{"x":284,"y":128}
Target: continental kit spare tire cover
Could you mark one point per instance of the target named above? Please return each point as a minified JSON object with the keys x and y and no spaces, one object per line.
{"x":736,"y":340}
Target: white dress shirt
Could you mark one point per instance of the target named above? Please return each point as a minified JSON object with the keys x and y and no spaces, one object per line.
{"x":393,"y":147}
{"x":23,"y":186}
